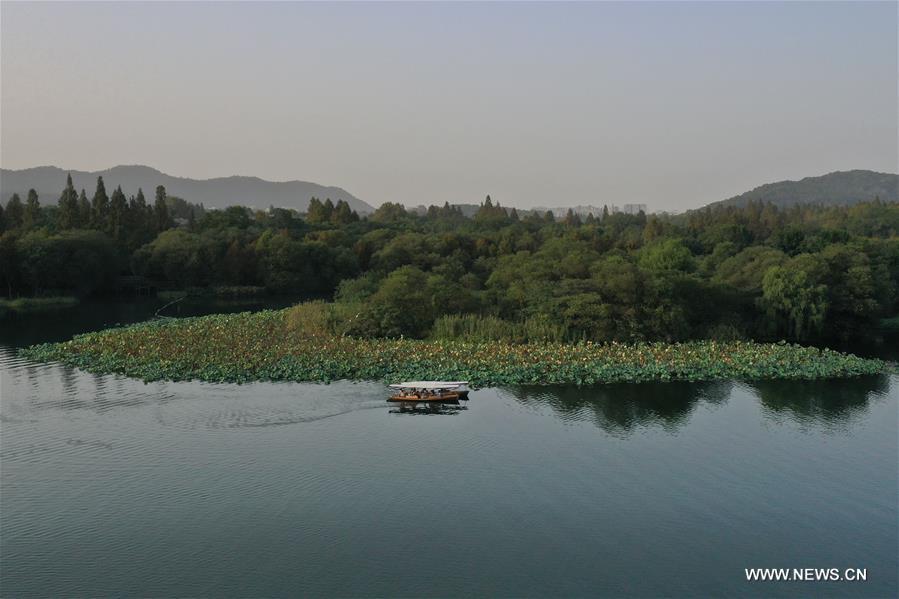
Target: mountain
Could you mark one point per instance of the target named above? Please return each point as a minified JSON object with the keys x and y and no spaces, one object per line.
{"x":837,"y":188}
{"x":212,"y":193}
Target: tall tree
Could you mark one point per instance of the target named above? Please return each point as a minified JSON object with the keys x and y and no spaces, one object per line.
{"x":140,"y":202}
{"x":68,"y":206}
{"x":85,"y":212}
{"x":343,"y":214}
{"x":162,"y":218}
{"x":138,"y":221}
{"x":32,"y":216}
{"x":315,"y":212}
{"x":145,"y":216}
{"x":117,"y":208}
{"x":572,"y":218}
{"x":14,"y":212}
{"x":328,"y":209}
{"x":100,"y":207}
{"x":2,"y":219}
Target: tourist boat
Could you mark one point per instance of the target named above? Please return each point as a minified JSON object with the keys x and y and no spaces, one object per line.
{"x":412,"y":393}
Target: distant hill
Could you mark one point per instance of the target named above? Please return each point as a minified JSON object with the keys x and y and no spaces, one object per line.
{"x":833,"y":189}
{"x":212,"y":193}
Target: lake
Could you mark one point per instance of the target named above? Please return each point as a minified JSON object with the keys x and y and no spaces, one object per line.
{"x":113,"y":487}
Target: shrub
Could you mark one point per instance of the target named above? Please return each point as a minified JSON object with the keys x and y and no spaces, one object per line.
{"x":309,"y":319}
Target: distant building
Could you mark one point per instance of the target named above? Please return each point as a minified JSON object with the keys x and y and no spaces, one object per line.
{"x":634,"y":208}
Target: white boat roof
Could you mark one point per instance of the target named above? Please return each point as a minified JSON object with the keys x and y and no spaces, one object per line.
{"x":428,"y":385}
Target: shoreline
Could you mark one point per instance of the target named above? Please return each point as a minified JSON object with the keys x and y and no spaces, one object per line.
{"x":259,"y":346}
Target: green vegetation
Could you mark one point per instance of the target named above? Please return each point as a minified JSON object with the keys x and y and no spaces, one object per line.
{"x":297,"y":345}
{"x":472,"y":327}
{"x":890,"y":324}
{"x":811,"y":274}
{"x":35,"y":305}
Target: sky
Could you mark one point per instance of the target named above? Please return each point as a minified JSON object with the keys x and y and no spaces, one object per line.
{"x":537,"y":104}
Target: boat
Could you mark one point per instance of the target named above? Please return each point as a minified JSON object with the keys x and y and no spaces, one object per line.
{"x":412,"y":393}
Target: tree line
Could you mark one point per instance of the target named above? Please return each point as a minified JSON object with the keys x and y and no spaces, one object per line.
{"x":807,"y":273}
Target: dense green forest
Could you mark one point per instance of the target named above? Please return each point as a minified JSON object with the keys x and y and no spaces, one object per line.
{"x":807,"y":273}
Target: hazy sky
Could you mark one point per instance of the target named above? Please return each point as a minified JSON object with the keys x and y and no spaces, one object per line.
{"x":672,"y":104}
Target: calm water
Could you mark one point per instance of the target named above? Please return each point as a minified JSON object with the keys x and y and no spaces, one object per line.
{"x":112,"y":487}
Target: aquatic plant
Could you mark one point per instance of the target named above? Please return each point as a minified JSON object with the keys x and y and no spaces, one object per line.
{"x":34,"y":305}
{"x":263,"y":346}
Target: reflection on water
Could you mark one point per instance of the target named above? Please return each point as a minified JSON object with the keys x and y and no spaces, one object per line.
{"x":620,"y":408}
{"x":113,"y":487}
{"x":433,"y":409}
{"x":824,"y":402}
{"x":30,"y":389}
{"x":617,"y":409}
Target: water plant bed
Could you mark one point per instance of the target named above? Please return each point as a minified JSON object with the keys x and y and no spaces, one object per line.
{"x":35,"y":305}
{"x":258,"y":346}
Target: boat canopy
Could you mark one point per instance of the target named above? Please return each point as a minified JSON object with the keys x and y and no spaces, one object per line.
{"x":431,"y":385}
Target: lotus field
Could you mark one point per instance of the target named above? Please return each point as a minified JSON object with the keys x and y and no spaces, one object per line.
{"x":259,"y":346}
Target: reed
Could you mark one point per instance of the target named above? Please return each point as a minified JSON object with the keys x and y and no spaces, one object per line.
{"x":474,"y":327}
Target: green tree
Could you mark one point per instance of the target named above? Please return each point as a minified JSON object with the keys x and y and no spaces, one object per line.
{"x":343,"y":215}
{"x":490,"y":214}
{"x":744,"y":272}
{"x":32,"y":215}
{"x":161,"y":217}
{"x":118,"y":206}
{"x":14,"y":212}
{"x":319,"y":212}
{"x":389,"y":212}
{"x":77,"y":261}
{"x":851,"y":290}
{"x":139,"y":227}
{"x":67,"y":217}
{"x":85,"y":211}
{"x":315,"y":212}
{"x":100,"y":208}
{"x":653,"y":229}
{"x":572,"y":219}
{"x":667,"y":255}
{"x":177,"y":256}
{"x":794,"y":301}
{"x":9,"y":262}
{"x":401,"y":306}
{"x":327,"y":210}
